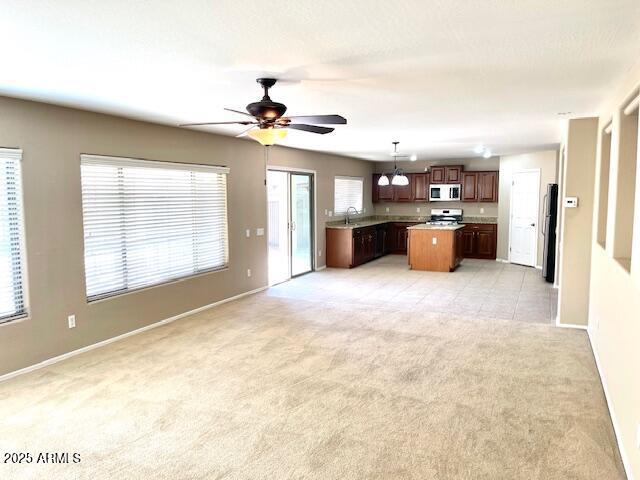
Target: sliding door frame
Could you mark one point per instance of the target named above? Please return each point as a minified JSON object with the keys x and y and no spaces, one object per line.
{"x":312,"y":211}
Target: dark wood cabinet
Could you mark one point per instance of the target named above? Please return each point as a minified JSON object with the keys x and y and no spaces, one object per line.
{"x":438,"y":174}
{"x":459,"y":246}
{"x":420,"y":187}
{"x":480,"y":187}
{"x":487,"y":186}
{"x":397,"y":236}
{"x":446,"y":174}
{"x":480,"y":240}
{"x":453,"y":174}
{"x":404,"y":193}
{"x":469,"y":186}
{"x":381,"y":193}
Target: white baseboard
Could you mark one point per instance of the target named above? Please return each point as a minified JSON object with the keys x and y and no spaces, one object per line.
{"x":616,"y":426}
{"x":570,"y":325}
{"x":73,"y":353}
{"x":321,"y":268}
{"x":502,"y":260}
{"x":539,"y":267}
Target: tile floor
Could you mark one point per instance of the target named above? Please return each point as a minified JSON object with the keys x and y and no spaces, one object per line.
{"x":480,"y":288}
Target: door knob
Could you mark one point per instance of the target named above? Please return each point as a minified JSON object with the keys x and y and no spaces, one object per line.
{"x":533,"y":224}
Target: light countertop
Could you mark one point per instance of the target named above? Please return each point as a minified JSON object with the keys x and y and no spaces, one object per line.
{"x":425,"y":226}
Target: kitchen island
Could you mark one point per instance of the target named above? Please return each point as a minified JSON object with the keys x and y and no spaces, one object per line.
{"x":435,"y":248}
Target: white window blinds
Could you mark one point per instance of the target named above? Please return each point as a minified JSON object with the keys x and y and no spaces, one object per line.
{"x":347,"y":193}
{"x":149,"y":222}
{"x":12,"y":304}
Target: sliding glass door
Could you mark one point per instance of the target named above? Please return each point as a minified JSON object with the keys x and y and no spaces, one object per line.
{"x":290,"y":212}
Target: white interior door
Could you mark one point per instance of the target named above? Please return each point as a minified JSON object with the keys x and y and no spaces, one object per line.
{"x":525,"y":204}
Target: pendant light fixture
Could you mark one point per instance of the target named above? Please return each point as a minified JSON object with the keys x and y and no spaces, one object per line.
{"x":383,"y":181}
{"x":399,"y":178}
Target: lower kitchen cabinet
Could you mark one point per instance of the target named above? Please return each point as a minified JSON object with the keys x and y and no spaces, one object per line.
{"x":480,"y":240}
{"x":350,"y":247}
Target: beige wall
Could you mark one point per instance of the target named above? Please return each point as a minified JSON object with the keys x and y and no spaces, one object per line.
{"x":614,"y":302}
{"x":469,"y":209}
{"x":577,"y":223}
{"x":326,"y":167}
{"x":52,"y":139}
{"x":547,"y":163}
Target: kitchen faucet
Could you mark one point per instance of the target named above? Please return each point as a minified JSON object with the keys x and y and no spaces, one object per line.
{"x":347,"y":219}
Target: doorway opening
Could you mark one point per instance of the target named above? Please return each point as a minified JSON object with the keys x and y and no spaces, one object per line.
{"x":524,"y":215}
{"x":290,"y":219}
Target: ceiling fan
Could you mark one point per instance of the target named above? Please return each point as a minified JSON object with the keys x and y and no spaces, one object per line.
{"x":267,"y":123}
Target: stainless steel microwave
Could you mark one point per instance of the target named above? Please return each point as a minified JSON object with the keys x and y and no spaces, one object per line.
{"x":444,"y":192}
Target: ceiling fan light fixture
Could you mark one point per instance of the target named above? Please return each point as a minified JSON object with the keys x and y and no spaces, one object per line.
{"x":268,"y":136}
{"x":399,"y":179}
{"x":383,"y":181}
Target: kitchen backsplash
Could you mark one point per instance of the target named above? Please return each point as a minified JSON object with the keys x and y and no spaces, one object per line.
{"x":468,"y":209}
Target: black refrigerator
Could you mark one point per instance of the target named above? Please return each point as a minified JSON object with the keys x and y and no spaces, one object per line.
{"x":549,"y":231}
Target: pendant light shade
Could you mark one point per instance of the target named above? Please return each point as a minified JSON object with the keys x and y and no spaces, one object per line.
{"x":268,"y":136}
{"x":399,"y":179}
{"x":383,"y":181}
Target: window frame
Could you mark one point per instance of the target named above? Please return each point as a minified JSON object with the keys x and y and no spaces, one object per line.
{"x":17,"y":154}
{"x":335,"y":196}
{"x":161,"y":164}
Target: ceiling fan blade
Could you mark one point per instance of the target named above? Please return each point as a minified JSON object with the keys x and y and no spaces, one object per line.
{"x":238,"y":111}
{"x":310,"y":128}
{"x":217,"y":123}
{"x":244,"y":132}
{"x":322,"y":119}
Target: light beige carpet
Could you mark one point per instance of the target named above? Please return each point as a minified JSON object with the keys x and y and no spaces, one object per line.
{"x":320,"y":379}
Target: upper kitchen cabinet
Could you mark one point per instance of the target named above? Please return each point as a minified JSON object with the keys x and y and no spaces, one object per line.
{"x":446,"y":174}
{"x":381,"y":193}
{"x":453,"y":174}
{"x":420,"y":187}
{"x":488,"y":186}
{"x":480,"y":187}
{"x":404,"y":193}
{"x":469,"y":186}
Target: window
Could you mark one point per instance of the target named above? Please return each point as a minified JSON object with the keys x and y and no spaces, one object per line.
{"x":148,"y":222}
{"x":348,"y":193}
{"x":12,"y":303}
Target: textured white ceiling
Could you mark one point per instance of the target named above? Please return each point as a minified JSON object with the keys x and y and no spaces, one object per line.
{"x":441,"y":76}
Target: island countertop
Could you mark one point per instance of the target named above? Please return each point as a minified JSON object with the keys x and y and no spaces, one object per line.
{"x":427,"y":226}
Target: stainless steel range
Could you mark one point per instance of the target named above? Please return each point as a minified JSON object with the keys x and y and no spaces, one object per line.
{"x":445,"y":216}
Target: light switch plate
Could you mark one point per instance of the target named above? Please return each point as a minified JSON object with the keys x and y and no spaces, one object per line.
{"x":248,"y":232}
{"x":330,"y":213}
{"x":570,"y":202}
{"x":259,"y":232}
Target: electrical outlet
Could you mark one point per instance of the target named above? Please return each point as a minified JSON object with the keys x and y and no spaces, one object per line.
{"x":319,"y":253}
{"x":387,"y":209}
{"x":326,"y":212}
{"x":330,"y":213}
{"x":248,"y":272}
{"x":481,"y":209}
{"x":248,"y":232}
{"x":434,"y":240}
{"x":418,"y":209}
{"x":259,"y":232}
{"x":71,"y":320}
